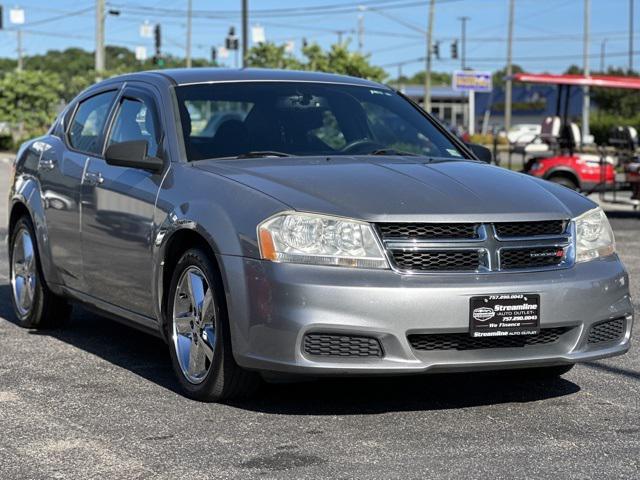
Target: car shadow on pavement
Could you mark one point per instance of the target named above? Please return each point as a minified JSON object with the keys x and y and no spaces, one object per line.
{"x":147,"y":357}
{"x":138,"y":352}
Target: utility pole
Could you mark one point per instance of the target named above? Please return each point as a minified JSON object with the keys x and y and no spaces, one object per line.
{"x":509,"y":83}
{"x":603,"y":46}
{"x":245,"y":32}
{"x":463,"y":37}
{"x":427,"y":77}
{"x":585,"y":99}
{"x":189,"y":17}
{"x":631,"y":13}
{"x":361,"y":28}
{"x":100,"y":54}
{"x":20,"y":53}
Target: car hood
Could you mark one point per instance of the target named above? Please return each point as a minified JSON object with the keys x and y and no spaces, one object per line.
{"x":402,"y":188}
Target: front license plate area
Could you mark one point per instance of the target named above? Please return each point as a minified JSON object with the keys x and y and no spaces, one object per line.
{"x":504,"y":315}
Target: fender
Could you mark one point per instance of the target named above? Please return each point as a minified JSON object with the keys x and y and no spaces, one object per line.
{"x":27,"y":192}
{"x":227,"y":231}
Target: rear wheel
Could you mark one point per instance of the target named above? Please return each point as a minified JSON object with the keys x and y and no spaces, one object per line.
{"x":564,"y":181}
{"x":198,"y":329}
{"x":34,"y":304}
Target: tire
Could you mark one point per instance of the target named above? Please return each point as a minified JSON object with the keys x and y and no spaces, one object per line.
{"x":197,"y":327}
{"x":546,"y":372}
{"x":34,"y":304}
{"x":565,"y":182}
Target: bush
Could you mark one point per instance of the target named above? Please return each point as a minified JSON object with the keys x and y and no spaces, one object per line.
{"x":600,"y":125}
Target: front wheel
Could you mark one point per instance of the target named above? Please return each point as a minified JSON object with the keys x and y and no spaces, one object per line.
{"x":33,"y":303}
{"x":199,"y":336}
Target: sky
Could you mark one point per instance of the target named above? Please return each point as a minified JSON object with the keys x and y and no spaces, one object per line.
{"x":548,"y":34}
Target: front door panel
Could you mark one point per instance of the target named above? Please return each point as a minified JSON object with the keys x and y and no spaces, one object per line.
{"x":117,"y":226}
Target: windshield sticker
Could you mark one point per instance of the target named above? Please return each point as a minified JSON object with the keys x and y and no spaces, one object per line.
{"x":379,"y":92}
{"x":453,"y":152}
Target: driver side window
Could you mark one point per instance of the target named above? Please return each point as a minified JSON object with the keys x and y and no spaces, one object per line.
{"x":136,"y":120}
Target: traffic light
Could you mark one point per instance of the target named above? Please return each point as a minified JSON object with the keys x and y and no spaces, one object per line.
{"x":214,"y":54}
{"x":1,"y":15}
{"x":157,"y":35}
{"x":232,"y":42}
{"x":454,"y":49}
{"x":436,"y":50}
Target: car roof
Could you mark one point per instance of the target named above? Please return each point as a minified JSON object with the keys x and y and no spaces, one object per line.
{"x":187,"y":76}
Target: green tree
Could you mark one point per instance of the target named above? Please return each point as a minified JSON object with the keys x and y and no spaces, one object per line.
{"x":29,"y":100}
{"x":437,"y":78}
{"x":499,"y":76}
{"x":338,"y":59}
{"x":270,"y":55}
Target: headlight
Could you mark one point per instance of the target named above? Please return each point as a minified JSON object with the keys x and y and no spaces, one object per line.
{"x":594,"y":236}
{"x":320,"y":240}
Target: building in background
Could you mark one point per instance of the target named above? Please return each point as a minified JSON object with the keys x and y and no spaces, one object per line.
{"x":531,"y":104}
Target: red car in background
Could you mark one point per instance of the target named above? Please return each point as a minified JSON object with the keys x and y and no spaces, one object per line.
{"x":581,"y":171}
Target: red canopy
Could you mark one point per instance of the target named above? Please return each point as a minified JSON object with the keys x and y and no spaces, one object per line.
{"x":608,"y":81}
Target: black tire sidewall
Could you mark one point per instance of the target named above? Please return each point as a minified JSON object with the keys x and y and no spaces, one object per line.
{"x":211,"y":388}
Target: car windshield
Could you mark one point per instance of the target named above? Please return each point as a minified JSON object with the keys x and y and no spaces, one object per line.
{"x":253,"y":119}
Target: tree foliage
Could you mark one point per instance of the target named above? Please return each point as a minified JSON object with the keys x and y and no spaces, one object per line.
{"x":338,"y":59}
{"x":437,"y":78}
{"x":29,"y":100}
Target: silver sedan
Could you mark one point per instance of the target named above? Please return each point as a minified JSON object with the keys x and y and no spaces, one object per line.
{"x":270,"y":223}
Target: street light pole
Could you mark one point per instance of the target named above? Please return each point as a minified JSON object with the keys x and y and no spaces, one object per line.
{"x":189,"y":17}
{"x":427,"y":77}
{"x":603,"y":46}
{"x":508,"y":86}
{"x":631,"y":13}
{"x":585,"y":98}
{"x":245,"y":31}
{"x":100,"y":54}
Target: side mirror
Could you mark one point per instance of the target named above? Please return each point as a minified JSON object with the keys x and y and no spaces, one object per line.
{"x":481,"y":152}
{"x":132,"y":154}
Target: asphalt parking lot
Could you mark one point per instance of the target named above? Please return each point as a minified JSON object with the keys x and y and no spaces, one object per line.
{"x":98,"y":400}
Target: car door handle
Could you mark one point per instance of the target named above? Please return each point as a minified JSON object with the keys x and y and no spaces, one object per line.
{"x":93,"y":178}
{"x":46,"y":164}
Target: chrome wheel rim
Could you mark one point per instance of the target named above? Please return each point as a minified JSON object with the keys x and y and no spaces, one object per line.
{"x":194,"y":331}
{"x":23,"y":272}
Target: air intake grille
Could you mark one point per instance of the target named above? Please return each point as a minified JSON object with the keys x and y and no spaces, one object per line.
{"x":438,"y":260}
{"x":462,"y":341}
{"x":429,"y":231}
{"x":531,"y":257}
{"x":530,"y":229}
{"x":338,"y":345}
{"x":607,"y":331}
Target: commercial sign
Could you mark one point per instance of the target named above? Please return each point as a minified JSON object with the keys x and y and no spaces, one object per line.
{"x":471,"y":81}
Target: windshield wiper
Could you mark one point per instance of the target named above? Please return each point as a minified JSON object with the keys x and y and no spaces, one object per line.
{"x":263,"y":153}
{"x":393,"y":151}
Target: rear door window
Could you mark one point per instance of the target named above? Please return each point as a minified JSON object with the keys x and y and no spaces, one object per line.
{"x":87,"y":127}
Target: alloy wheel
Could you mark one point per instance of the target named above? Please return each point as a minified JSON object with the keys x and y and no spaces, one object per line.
{"x":23,"y":272}
{"x":194,"y":331}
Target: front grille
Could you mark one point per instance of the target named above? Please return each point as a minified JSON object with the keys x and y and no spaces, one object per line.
{"x":462,"y":341}
{"x":429,"y":231}
{"x":437,"y":260}
{"x":537,"y":257}
{"x":530,"y":229}
{"x":339,"y":345}
{"x":607,"y":331}
{"x":476,"y":247}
